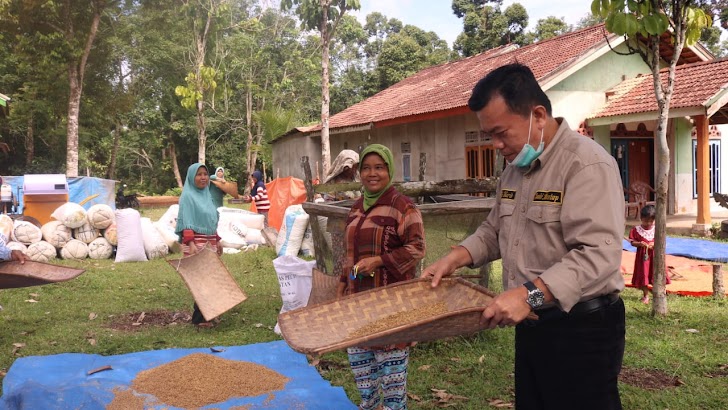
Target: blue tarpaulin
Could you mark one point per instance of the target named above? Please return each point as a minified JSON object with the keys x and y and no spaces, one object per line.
{"x":79,"y":189}
{"x":691,"y":248}
{"x":61,"y":381}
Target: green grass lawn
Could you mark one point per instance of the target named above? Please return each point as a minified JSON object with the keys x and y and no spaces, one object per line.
{"x":76,"y":316}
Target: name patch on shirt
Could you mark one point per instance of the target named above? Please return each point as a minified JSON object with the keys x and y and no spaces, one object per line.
{"x":552,"y":197}
{"x":508,"y":194}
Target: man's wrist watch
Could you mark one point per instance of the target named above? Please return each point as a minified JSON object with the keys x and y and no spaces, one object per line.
{"x":535,"y":297}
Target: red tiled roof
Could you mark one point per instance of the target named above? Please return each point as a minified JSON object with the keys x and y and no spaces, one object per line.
{"x":449,"y":85}
{"x":695,"y":84}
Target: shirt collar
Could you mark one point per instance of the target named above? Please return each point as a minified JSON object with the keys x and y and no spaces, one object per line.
{"x":548,"y":151}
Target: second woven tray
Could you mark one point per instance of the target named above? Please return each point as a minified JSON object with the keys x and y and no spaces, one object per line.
{"x":344,"y":323}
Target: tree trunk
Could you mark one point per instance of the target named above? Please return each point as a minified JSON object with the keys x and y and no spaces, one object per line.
{"x":111,"y":174}
{"x":659,"y":304}
{"x":76,"y":72}
{"x":250,"y":166}
{"x":175,"y":166}
{"x":201,"y":135}
{"x":30,"y":142}
{"x":325,"y":39}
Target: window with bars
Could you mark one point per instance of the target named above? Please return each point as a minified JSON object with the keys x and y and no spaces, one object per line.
{"x":713,"y":167}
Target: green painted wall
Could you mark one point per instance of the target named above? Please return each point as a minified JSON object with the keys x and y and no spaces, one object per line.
{"x":683,"y":146}
{"x":603,"y":73}
{"x":601,"y":135}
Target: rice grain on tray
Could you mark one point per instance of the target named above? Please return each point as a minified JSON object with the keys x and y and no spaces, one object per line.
{"x":400,"y":318}
{"x":200,"y":379}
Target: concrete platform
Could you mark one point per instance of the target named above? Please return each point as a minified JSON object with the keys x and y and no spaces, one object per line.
{"x":682,"y":224}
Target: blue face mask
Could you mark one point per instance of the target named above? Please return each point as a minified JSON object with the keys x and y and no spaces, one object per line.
{"x":528,"y":154}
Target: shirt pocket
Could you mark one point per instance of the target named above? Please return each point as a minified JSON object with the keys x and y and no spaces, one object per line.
{"x":387,"y":227}
{"x":542,"y":214}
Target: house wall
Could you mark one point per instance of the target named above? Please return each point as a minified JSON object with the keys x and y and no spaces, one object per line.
{"x":287,"y":152}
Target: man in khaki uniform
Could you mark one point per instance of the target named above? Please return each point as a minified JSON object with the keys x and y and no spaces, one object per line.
{"x":557,"y":225}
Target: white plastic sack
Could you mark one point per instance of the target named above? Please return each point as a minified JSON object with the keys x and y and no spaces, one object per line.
{"x":74,"y":249}
{"x":70,"y":214}
{"x":254,"y":237}
{"x":26,"y":233}
{"x":110,"y":234}
{"x":169,"y":219}
{"x":295,"y":221}
{"x":17,"y":246}
{"x":154,"y":245}
{"x":232,"y":242}
{"x":41,"y":251}
{"x":86,"y":233}
{"x":56,"y":233}
{"x":100,"y":216}
{"x":294,"y":278}
{"x":130,"y":246}
{"x":100,"y":248}
{"x":240,"y":216}
{"x":307,"y":243}
{"x":167,"y":233}
{"x":6,"y":225}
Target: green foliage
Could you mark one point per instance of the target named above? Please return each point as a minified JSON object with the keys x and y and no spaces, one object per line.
{"x":310,"y":12}
{"x":197,"y":85}
{"x":632,"y":17}
{"x":486,"y":26}
{"x":547,"y":28}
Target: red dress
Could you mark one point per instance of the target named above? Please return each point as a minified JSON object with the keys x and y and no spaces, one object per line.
{"x":642,"y":274}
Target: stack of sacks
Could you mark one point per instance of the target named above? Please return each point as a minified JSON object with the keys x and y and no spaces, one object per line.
{"x":74,"y":234}
{"x":239,"y":228}
{"x":293,"y":229}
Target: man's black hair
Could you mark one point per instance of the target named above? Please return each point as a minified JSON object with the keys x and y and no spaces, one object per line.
{"x":648,"y":211}
{"x":516,"y":84}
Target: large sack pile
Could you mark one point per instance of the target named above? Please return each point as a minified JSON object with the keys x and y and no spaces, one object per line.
{"x":76,"y":233}
{"x":239,"y":228}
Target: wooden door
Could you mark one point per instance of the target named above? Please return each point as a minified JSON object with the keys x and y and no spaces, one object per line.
{"x":641,"y":161}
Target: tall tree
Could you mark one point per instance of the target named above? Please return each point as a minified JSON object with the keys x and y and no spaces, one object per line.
{"x":642,"y":23}
{"x":547,"y":28}
{"x":324,"y":16}
{"x":485,"y":26}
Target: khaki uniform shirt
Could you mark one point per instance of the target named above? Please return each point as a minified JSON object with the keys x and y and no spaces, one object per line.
{"x":562,"y":220}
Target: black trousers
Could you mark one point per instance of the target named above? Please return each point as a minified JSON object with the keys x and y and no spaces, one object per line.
{"x":571,"y":361}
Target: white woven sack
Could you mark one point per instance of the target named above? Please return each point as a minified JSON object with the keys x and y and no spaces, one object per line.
{"x":232,"y":242}
{"x":41,"y":251}
{"x":70,"y":214}
{"x":6,"y":225}
{"x":74,"y":249}
{"x":56,"y":233}
{"x":86,"y":233}
{"x":154,"y":245}
{"x":110,"y":234}
{"x":295,"y":221}
{"x":254,"y":237}
{"x":100,"y":248}
{"x":250,"y":219}
{"x":130,"y":246}
{"x":100,"y":216}
{"x":26,"y":233}
{"x":17,"y":246}
{"x":169,"y":218}
{"x":170,"y":238}
{"x":307,"y":248}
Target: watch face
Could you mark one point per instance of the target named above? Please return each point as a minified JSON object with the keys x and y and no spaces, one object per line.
{"x":535,"y":298}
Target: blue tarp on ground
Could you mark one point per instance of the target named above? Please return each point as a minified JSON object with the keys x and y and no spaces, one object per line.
{"x":691,"y":248}
{"x":60,"y":381}
{"x":79,"y":189}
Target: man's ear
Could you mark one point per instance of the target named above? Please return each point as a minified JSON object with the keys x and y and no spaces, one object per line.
{"x":540,"y":115}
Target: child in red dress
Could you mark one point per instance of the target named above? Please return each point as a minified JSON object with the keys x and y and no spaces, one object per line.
{"x":643,"y":238}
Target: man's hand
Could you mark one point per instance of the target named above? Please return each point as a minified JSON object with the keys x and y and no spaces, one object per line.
{"x":446,"y":265}
{"x":16,"y":255}
{"x":507,"y":309}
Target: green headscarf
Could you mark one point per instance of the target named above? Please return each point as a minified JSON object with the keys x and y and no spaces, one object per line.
{"x":196,"y":209}
{"x":370,"y":198}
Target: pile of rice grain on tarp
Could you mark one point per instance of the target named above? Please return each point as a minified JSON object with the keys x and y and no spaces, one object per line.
{"x":198,"y":380}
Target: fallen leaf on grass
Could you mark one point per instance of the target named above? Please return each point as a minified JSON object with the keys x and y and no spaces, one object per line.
{"x":258,"y":325}
{"x":424,"y":367}
{"x":92,"y":316}
{"x":31,"y":300}
{"x":414,"y":397}
{"x":3,"y":373}
{"x":500,"y":404}
{"x":16,"y":347}
{"x":692,"y":330}
{"x":455,"y":359}
{"x":33,"y":295}
{"x":445,"y":399}
{"x":251,"y":285}
{"x":481,"y":359}
{"x":92,"y":342}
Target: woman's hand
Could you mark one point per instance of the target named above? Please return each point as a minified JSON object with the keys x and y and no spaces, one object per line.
{"x":369,"y":265}
{"x":192,"y":248}
{"x":340,"y":290}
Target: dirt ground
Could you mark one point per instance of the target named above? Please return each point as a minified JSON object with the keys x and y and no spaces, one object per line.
{"x":138,"y":320}
{"x":648,"y":379}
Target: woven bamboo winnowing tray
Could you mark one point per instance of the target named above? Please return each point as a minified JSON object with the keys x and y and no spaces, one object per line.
{"x":211,"y":284}
{"x":17,"y":275}
{"x":327,"y":327}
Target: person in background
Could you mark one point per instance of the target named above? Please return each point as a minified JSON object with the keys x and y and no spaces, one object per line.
{"x":7,"y":254}
{"x":197,"y":221}
{"x":7,"y":199}
{"x":259,"y":194}
{"x":215,"y":190}
{"x":643,"y":238}
{"x":344,"y":169}
{"x":557,"y":224}
{"x":385,"y":240}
